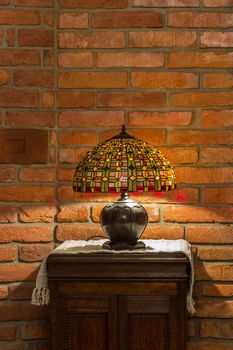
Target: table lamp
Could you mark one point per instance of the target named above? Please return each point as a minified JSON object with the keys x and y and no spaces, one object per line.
{"x":124,"y":164}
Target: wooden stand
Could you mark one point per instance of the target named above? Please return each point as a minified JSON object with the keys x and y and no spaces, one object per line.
{"x":107,"y":301}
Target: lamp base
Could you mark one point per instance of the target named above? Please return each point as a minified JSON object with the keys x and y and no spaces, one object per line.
{"x":123,"y":246}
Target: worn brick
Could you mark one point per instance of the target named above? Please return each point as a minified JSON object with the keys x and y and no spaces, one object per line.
{"x":36,"y":37}
{"x":92,"y":80}
{"x":159,"y":118}
{"x":11,"y":97}
{"x":91,"y":118}
{"x":216,"y":329}
{"x":162,"y":39}
{"x":218,"y":195}
{"x":198,"y":99}
{"x":92,"y":40}
{"x":163,"y":232}
{"x":77,"y":20}
{"x":48,"y":99}
{"x":35,"y":330}
{"x":3,"y":295}
{"x":10,"y":36}
{"x":204,"y":175}
{"x":217,"y":119}
{"x":156,"y":137}
{"x":32,"y":118}
{"x":33,"y":78}
{"x":49,"y":18}
{"x":217,"y":290}
{"x":34,"y":252}
{"x":7,"y":174}
{"x":8,"y":253}
{"x":75,"y":59}
{"x":189,"y":19}
{"x":166,"y":3}
{"x":131,"y":99}
{"x":22,"y":312}
{"x":25,"y":234}
{"x":182,"y":213}
{"x":66,"y":194}
{"x":140,"y":19}
{"x":215,"y":253}
{"x":179,"y":155}
{"x":218,"y":3}
{"x":8,"y":213}
{"x":72,"y":155}
{"x":26,"y":193}
{"x":93,"y":3}
{"x":77,"y":231}
{"x":200,"y":59}
{"x":20,"y":272}
{"x":3,"y":77}
{"x":72,"y":213}
{"x":210,"y":234}
{"x":200,"y":345}
{"x":78,"y":137}
{"x":163,"y":80}
{"x":214,"y":272}
{"x":37,"y":174}
{"x":214,"y":308}
{"x":65,"y":174}
{"x":130,"y":59}
{"x":217,"y":155}
{"x":75,"y":99}
{"x":40,"y":213}
{"x":7,"y":332}
{"x":216,"y":39}
{"x":217,"y":80}
{"x":196,"y":137}
{"x":21,"y":17}
{"x":35,"y":3}
{"x":48,"y":57}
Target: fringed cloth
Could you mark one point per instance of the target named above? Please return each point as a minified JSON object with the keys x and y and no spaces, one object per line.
{"x":40,"y":295}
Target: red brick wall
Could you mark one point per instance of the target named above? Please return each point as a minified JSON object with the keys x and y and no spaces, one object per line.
{"x":71,"y":73}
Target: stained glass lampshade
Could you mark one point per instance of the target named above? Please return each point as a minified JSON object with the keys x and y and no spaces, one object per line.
{"x":124,"y":164}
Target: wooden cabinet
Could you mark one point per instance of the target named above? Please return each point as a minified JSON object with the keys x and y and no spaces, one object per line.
{"x":133,"y":301}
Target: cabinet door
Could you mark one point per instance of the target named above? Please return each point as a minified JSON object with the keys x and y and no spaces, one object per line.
{"x":87,"y":323}
{"x":147,"y":322}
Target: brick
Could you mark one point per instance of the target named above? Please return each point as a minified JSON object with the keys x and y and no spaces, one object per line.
{"x":180,"y":155}
{"x":218,"y":195}
{"x":163,"y":232}
{"x":196,"y":137}
{"x":92,"y":40}
{"x":73,"y":20}
{"x":10,"y":36}
{"x":3,"y":77}
{"x":21,"y":17}
{"x":218,"y":155}
{"x":43,"y":345}
{"x":7,"y":174}
{"x":91,"y":118}
{"x":182,"y":213}
{"x":196,"y":99}
{"x":48,"y":57}
{"x":49,"y":18}
{"x":217,"y":290}
{"x":20,"y":146}
{"x":218,"y":3}
{"x":14,"y":345}
{"x":65,"y":174}
{"x":159,"y":118}
{"x":25,"y":234}
{"x":37,"y":174}
{"x":7,"y":332}
{"x":213,"y":272}
{"x":35,"y":3}
{"x":217,"y":80}
{"x":19,"y":57}
{"x":21,"y":312}
{"x":217,"y":119}
{"x":8,"y":213}
{"x":1,"y":36}
{"x":77,"y":231}
{"x":35,"y":330}
{"x":19,"y":98}
{"x":36,"y":37}
{"x":4,"y":2}
{"x":92,"y":80}
{"x":200,"y":59}
{"x":72,"y":213}
{"x":215,"y":253}
{"x":41,"y":213}
{"x":75,"y":59}
{"x":32,"y":118}
{"x":33,"y":78}
{"x":20,"y":272}
{"x":7,"y":253}
{"x":21,"y":291}
{"x":204,"y":175}
{"x":26,"y":193}
{"x":78,"y":138}
{"x":75,"y":99}
{"x":48,"y":99}
{"x":3,"y":295}
{"x":156,"y":137}
{"x":210,"y":346}
{"x":216,"y":39}
{"x":216,"y":329}
{"x":94,"y":3}
{"x":66,"y":194}
{"x":72,"y":155}
{"x":214,"y":308}
{"x":163,"y":80}
{"x":162,"y":39}
{"x":188,"y":19}
{"x":191,"y":328}
{"x":131,"y":99}
{"x":135,"y":19}
{"x":37,"y":252}
{"x":210,"y":234}
{"x":166,"y":3}
{"x":130,"y":59}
